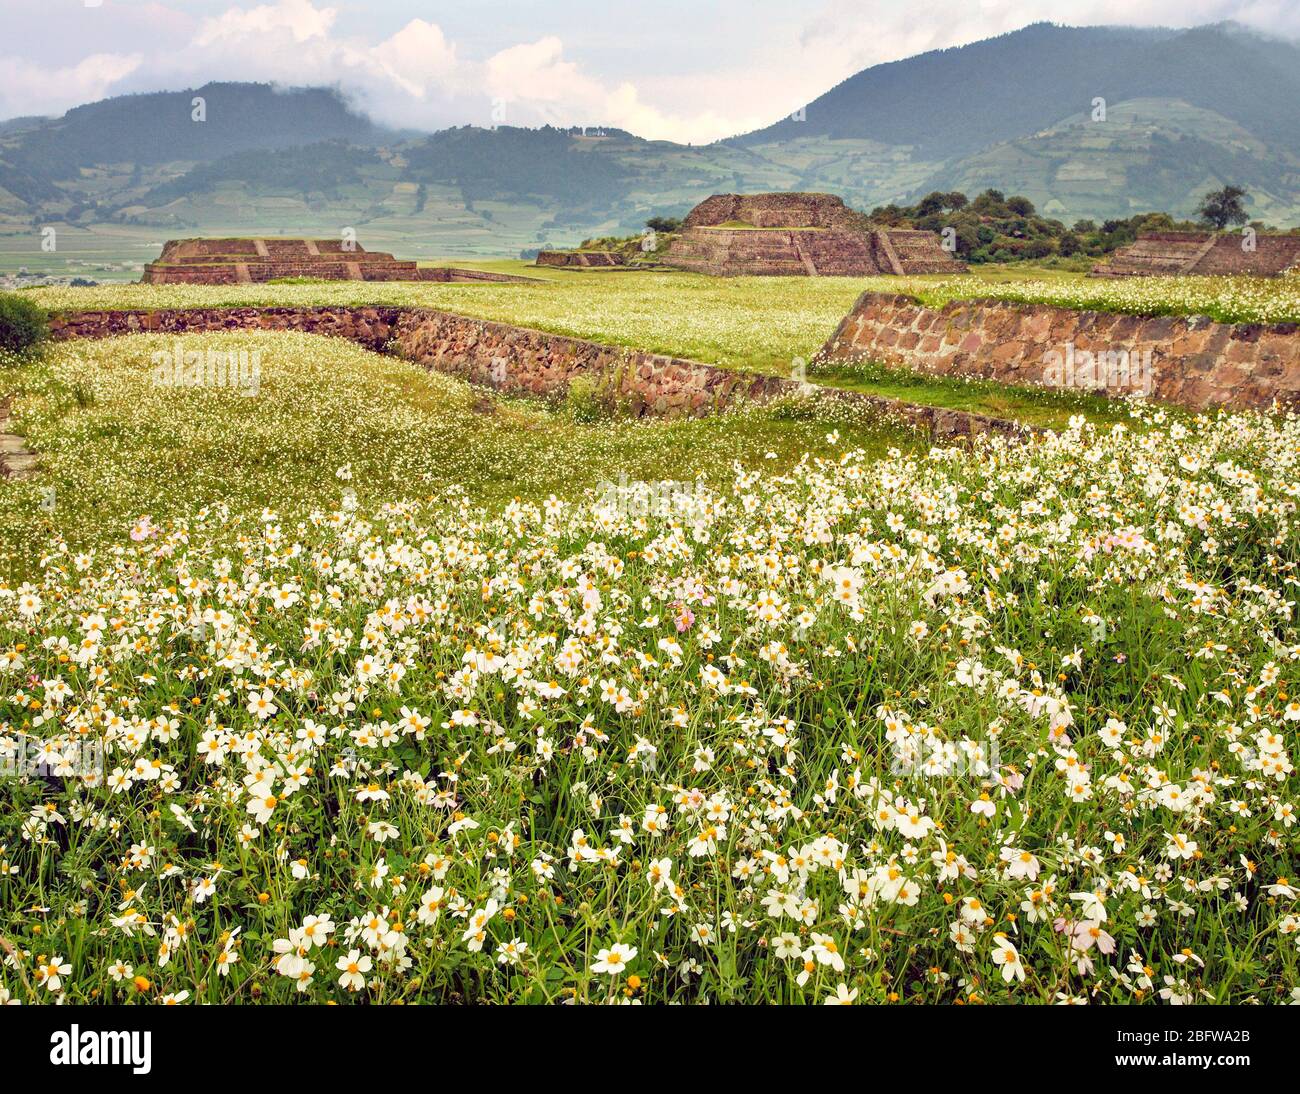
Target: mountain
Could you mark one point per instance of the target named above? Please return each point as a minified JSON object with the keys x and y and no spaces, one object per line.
{"x":1184,"y":111}
{"x":166,"y":126}
{"x":953,"y":102}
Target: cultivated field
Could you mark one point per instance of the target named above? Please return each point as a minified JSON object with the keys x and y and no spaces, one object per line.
{"x":365,"y":685}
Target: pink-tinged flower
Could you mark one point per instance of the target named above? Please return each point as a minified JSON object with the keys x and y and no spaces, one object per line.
{"x":1084,"y":934}
{"x":1088,"y":933}
{"x":142,"y":529}
{"x":685,"y":618}
{"x":1011,"y":780}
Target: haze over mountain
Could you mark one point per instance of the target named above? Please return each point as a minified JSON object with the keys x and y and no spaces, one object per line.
{"x":1184,"y":111}
{"x":955,"y":101}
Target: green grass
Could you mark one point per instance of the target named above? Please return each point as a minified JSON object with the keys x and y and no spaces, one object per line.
{"x":756,"y":324}
{"x":1006,"y":725}
{"x":760,"y":324}
{"x":114,"y":445}
{"x":1037,"y":408}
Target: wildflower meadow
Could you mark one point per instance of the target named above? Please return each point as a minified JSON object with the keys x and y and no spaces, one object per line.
{"x":1007,"y":723}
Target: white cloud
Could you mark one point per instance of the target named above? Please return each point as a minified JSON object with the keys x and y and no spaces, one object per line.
{"x":29,"y":88}
{"x":418,"y":78}
{"x":848,"y":39}
{"x":536,"y":84}
{"x":414,"y":78}
{"x":298,"y":18}
{"x":419,"y":59}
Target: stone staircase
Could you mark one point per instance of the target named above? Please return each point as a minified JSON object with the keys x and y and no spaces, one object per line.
{"x":246,"y":261}
{"x":916,"y":252}
{"x":1170,"y":254}
{"x":804,"y":257}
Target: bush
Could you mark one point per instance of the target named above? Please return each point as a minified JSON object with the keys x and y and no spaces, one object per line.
{"x":22,"y":324}
{"x":583,"y":401}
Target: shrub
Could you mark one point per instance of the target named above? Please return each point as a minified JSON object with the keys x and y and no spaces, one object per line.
{"x":22,"y":323}
{"x":583,"y":401}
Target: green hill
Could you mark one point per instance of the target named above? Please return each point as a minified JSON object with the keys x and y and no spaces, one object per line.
{"x":1185,"y":111}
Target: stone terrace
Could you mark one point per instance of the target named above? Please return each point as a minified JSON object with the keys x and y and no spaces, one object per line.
{"x":244,"y":261}
{"x":1201,"y":253}
{"x":580,"y":259}
{"x":795,"y":235}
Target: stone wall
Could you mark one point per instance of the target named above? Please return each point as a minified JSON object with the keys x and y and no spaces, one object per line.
{"x":459,"y":275}
{"x":772,"y":252}
{"x":918,"y":252}
{"x":518,"y":360}
{"x":811,"y":252}
{"x":522,"y":361}
{"x":1188,"y":360}
{"x":797,"y":235}
{"x":369,"y":326}
{"x":247,"y":261}
{"x":1203,"y":254}
{"x":778,"y":210}
{"x":580,"y":258}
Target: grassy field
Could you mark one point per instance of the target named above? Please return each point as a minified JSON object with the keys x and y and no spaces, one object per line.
{"x":116,"y":445}
{"x":759,"y":323}
{"x":1011,"y":725}
{"x":1035,"y":407}
{"x":346,"y":682}
{"x":772,"y":325}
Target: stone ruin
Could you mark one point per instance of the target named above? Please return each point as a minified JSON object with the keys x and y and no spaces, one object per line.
{"x":244,"y":261}
{"x":581,"y":259}
{"x":1206,"y":254}
{"x":799,"y":234}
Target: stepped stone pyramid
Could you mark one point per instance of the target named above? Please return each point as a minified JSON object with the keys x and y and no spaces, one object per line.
{"x":243,"y":261}
{"x":798,"y":234}
{"x":1167,"y":254}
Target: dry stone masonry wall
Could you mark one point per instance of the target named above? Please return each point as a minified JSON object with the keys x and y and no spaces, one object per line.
{"x":1204,"y":254}
{"x":1188,"y":360}
{"x":244,"y":261}
{"x":582,"y":259}
{"x":522,"y":361}
{"x":796,"y":235}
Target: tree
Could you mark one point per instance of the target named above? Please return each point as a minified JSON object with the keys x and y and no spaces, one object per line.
{"x":1219,"y":208}
{"x":930,"y":204}
{"x":663,"y":224}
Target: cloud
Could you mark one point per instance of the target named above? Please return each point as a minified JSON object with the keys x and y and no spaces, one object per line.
{"x":415,"y":78}
{"x":419,"y":59}
{"x":30,"y":88}
{"x":847,"y":42}
{"x":533,"y":83}
{"x":418,"y":78}
{"x":298,"y":18}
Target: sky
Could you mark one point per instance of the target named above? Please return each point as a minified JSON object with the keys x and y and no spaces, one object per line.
{"x":685,"y":70}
